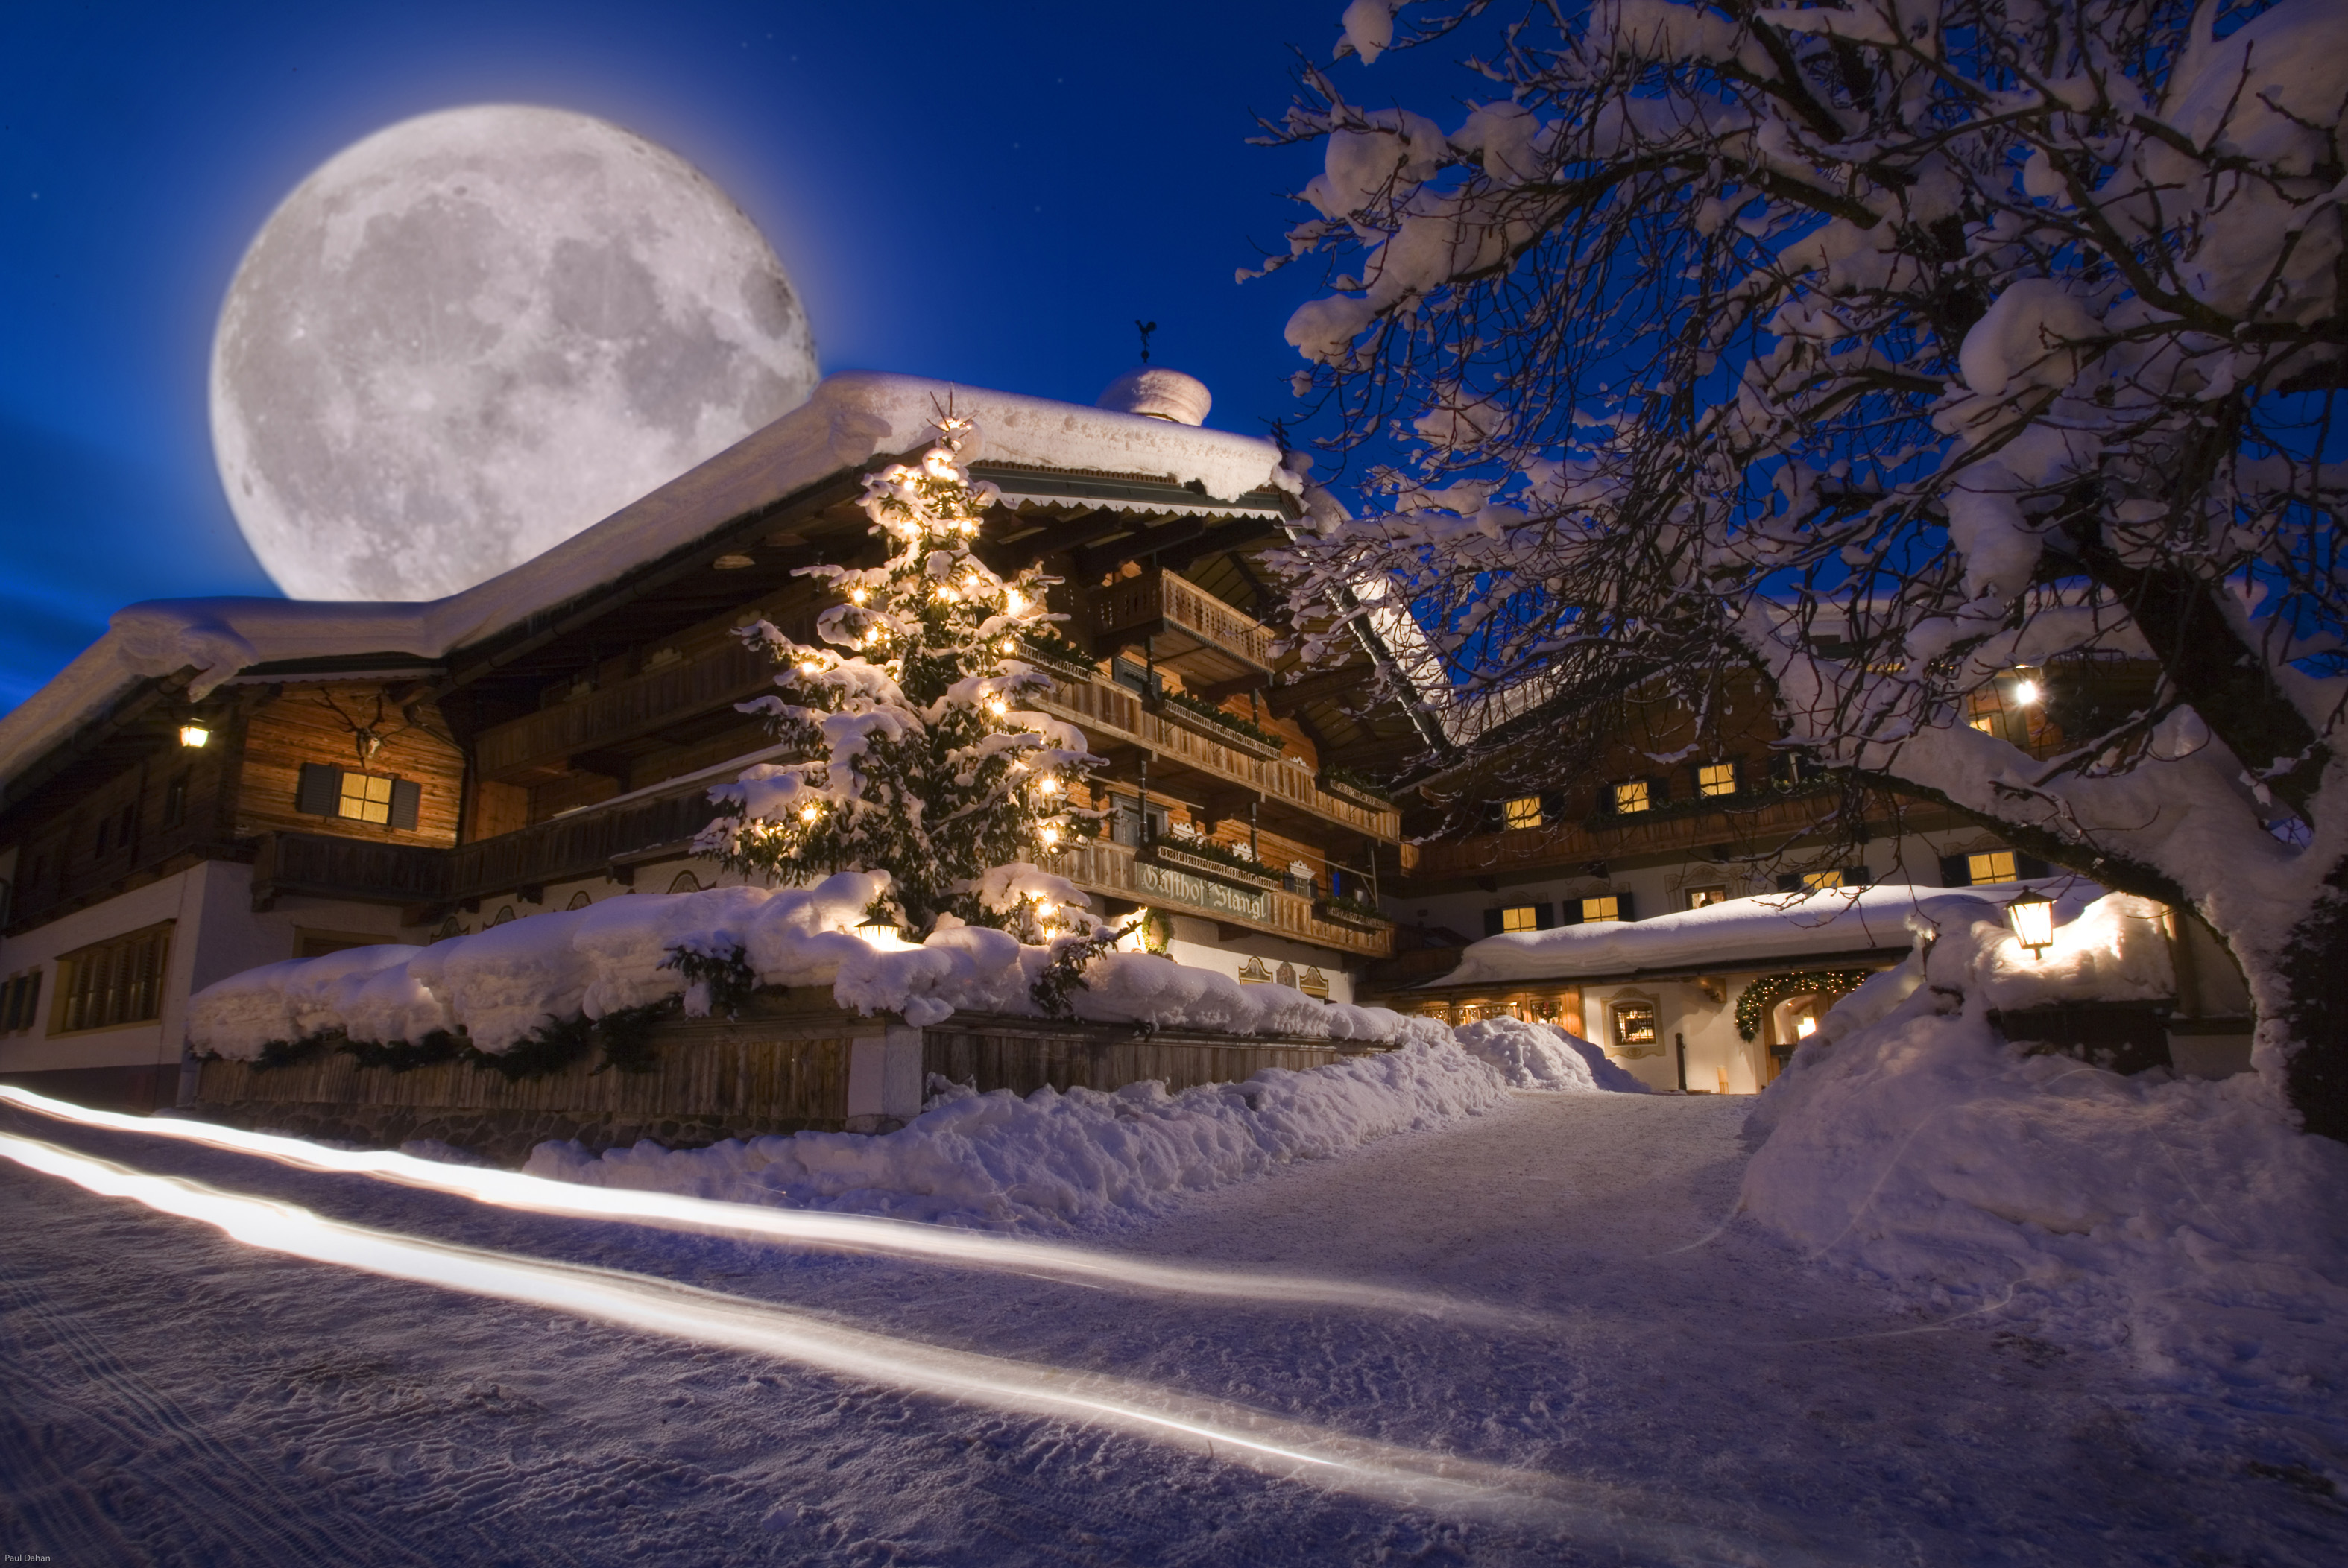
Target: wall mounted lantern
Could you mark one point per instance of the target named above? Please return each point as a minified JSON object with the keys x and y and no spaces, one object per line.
{"x":193,"y":736}
{"x":2032,"y":919}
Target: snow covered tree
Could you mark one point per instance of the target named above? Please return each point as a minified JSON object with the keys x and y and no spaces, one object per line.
{"x":914,"y":755}
{"x":1886,"y":349}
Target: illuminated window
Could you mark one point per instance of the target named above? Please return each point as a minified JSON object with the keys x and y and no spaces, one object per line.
{"x":1996,"y":865}
{"x":1634,"y":1024}
{"x":1596,"y":911}
{"x":1522,"y":812}
{"x":365,"y":797}
{"x":1699,"y":898}
{"x":1631,"y":796}
{"x":1812,"y":881}
{"x":1717,"y":778}
{"x":114,"y":983}
{"x":1523,"y":918}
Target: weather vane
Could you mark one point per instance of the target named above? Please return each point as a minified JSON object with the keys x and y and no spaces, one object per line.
{"x":1147,"y":328}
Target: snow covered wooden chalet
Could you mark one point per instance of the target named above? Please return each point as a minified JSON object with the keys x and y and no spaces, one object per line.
{"x":220,"y":783}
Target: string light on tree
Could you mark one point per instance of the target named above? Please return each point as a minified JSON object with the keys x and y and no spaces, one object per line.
{"x":907,"y":741}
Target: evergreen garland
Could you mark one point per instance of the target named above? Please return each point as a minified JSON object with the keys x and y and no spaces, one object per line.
{"x":909,"y":751}
{"x":1767,"y":993}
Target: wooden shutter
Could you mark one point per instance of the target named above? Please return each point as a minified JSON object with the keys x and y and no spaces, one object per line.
{"x":407,"y":796}
{"x":2030,"y":865}
{"x":1857,"y":877}
{"x":1790,"y":882}
{"x":1622,"y":909}
{"x":1659,"y":790}
{"x":1544,"y":917}
{"x":320,"y":792}
{"x":1955,"y":872}
{"x":1552,"y":808}
{"x":1491,"y":922}
{"x":1570,"y":912}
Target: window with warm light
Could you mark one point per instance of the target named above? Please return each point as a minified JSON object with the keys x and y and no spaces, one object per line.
{"x":1634,"y":1024}
{"x":1815,"y":881}
{"x":1524,"y":810}
{"x":1995,"y":866}
{"x":1598,"y":911}
{"x":1703,"y":897}
{"x":1717,"y":778}
{"x":1523,"y":918}
{"x":1631,"y":796}
{"x":365,"y":797}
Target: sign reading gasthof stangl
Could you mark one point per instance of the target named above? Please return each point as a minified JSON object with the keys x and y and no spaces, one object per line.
{"x":1179,"y":887}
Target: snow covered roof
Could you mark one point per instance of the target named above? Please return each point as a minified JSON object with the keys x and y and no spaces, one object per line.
{"x":1733,"y":935}
{"x":852,"y":418}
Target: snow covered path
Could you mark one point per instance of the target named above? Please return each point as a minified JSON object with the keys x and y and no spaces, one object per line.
{"x":1674,"y":1391}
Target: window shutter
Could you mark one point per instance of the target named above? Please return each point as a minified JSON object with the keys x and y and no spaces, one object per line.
{"x":1495,"y":816}
{"x":407,"y":797}
{"x":1659,"y":790}
{"x":1544,"y":917}
{"x":1552,"y":808}
{"x":1857,"y":877}
{"x":1790,"y":882}
{"x":1570,"y":912}
{"x":1955,"y":872}
{"x":1623,"y":909}
{"x":1491,"y":922}
{"x":2030,"y":865}
{"x":320,"y":792}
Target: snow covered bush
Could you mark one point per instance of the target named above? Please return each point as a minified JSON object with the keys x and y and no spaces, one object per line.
{"x":914,"y":754}
{"x":1543,"y":1056}
{"x":2183,"y":1220}
{"x":516,"y":984}
{"x":1892,"y":349}
{"x":1053,"y":1159}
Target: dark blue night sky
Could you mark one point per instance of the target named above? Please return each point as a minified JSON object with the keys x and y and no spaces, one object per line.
{"x":1093,"y":158}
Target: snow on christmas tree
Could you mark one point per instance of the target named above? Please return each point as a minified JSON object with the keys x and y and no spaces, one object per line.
{"x":913,"y":754}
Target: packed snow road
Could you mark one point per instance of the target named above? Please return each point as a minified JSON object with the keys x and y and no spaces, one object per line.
{"x":1620,"y":1373}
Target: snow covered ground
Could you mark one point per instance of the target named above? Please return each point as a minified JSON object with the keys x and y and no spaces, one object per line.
{"x":1614,"y":1369}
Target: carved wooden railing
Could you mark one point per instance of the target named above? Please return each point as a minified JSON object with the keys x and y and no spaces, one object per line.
{"x":1110,"y":868}
{"x":625,"y":711}
{"x":1139,"y":602}
{"x":1117,"y":714}
{"x":328,"y":866}
{"x":1736,"y":820}
{"x":579,"y":844}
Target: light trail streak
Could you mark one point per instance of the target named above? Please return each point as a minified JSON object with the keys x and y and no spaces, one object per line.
{"x":1056,"y":1261}
{"x":1291,"y":1449}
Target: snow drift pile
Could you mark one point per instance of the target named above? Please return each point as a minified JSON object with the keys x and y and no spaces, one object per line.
{"x":496,"y":987}
{"x":1055,"y":1159}
{"x":2188,"y":1221}
{"x":1543,"y":1056}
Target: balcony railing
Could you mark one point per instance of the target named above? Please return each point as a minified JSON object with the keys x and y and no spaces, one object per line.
{"x":1115,"y":714}
{"x":579,"y":844}
{"x":627,"y":711}
{"x":326,"y":865}
{"x":1112,"y":869}
{"x":1620,"y":838}
{"x":1191,"y":629}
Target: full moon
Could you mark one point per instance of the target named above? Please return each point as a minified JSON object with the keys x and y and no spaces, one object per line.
{"x":472,"y":334}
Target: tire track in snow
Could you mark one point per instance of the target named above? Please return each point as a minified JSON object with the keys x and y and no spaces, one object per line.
{"x":46,"y":1511}
{"x":268,"y":1524}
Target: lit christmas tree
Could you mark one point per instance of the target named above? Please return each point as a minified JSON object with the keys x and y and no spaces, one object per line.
{"x":914,"y":754}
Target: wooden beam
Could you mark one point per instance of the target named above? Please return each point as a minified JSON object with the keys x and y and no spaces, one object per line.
{"x":1321,"y":686}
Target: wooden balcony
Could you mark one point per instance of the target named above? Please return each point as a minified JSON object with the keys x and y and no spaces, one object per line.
{"x":1188,"y":629}
{"x":358,"y":870}
{"x":542,"y":744}
{"x":1115,"y":718}
{"x":595,"y":842}
{"x":1755,"y":821}
{"x":1113,"y":870}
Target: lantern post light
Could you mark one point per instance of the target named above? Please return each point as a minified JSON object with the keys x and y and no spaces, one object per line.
{"x":193,"y":736}
{"x":2032,"y":919}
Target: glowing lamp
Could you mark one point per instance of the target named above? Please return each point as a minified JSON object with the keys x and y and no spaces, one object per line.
{"x":809,"y":812}
{"x":193,"y":736}
{"x":997,"y":706}
{"x":1012,"y":603}
{"x":1045,"y":908}
{"x":2025,"y":691}
{"x":877,"y":931}
{"x":1051,"y":836}
{"x":856,"y":595}
{"x":1048,"y":785}
{"x":1806,"y":1026}
{"x":2032,"y":919}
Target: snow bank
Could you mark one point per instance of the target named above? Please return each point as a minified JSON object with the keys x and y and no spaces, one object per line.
{"x":2183,"y":1220}
{"x":498,"y":986}
{"x":1543,"y":1056}
{"x":1768,"y":926}
{"x":1052,"y":1159}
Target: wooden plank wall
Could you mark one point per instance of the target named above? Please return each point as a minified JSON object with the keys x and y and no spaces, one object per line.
{"x":298,"y":726}
{"x":1024,"y":1057}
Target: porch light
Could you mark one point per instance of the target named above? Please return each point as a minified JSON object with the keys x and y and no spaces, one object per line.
{"x":2033,"y":917}
{"x":193,"y":736}
{"x":2025,"y":691}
